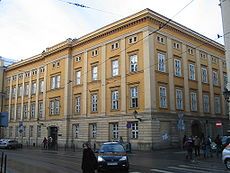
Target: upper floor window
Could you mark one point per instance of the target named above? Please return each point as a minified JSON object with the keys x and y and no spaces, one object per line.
{"x":31,"y":131}
{"x":217,"y":105}
{"x":133,"y":97}
{"x":224,"y":64}
{"x":77,"y":58}
{"x":27,"y":74}
{"x":177,"y":67}
{"x":163,"y":97}
{"x":161,"y":39}
{"x":56,"y":64}
{"x":191,"y":71}
{"x":94,"y":52}
{"x":115,"y":45}
{"x":133,"y":63}
{"x":215,"y":78}
{"x":55,"y":81}
{"x":14,"y":77}
{"x":25,"y":110}
{"x":132,"y":39}
{"x":225,"y":80}
{"x":77,"y":104}
{"x":204,"y":75}
{"x":34,"y":72}
{"x":206,"y":103}
{"x":203,"y":55}
{"x":18,"y":111}
{"x":214,"y":60}
{"x":115,"y":67}
{"x":13,"y":91}
{"x":32,"y":110}
{"x":193,"y":99}
{"x":176,"y":45}
{"x":40,"y":109}
{"x":114,"y":100}
{"x":41,"y":86}
{"x":55,"y":106}
{"x":94,"y":73}
{"x":161,"y":62}
{"x":179,"y":99}
{"x":20,"y":76}
{"x":20,"y":90}
{"x":33,"y":88}
{"x":26,"y":89}
{"x":94,"y":102}
{"x":42,"y":69}
{"x":78,"y":77}
{"x":190,"y":51}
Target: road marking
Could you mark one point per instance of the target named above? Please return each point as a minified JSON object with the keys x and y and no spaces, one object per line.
{"x":160,"y":171}
{"x":203,"y":168}
{"x":185,"y":169}
{"x":134,"y":172}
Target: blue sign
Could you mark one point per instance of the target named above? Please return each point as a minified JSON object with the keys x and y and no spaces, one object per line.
{"x":128,"y":125}
{"x":4,"y":119}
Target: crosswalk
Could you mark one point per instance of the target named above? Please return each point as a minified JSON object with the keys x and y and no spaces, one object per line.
{"x":190,"y":167}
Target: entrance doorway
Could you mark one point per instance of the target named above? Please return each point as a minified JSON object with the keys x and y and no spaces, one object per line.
{"x":196,"y":128}
{"x":52,"y":137}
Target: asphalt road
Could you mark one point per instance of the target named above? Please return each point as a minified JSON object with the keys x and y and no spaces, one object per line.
{"x":163,"y":161}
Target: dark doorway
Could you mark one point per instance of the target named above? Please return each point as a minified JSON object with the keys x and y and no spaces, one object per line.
{"x":196,"y":128}
{"x":52,"y":137}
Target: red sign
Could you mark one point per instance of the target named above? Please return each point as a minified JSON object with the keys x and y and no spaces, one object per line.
{"x":218,"y":124}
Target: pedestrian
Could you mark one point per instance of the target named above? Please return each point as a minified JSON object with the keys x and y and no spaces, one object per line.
{"x":189,"y":147}
{"x":197,"y":146}
{"x":184,"y":140}
{"x":208,"y":147}
{"x":45,"y":142}
{"x":89,"y":160}
{"x":218,"y":145}
{"x":203,"y":147}
{"x":50,"y":141}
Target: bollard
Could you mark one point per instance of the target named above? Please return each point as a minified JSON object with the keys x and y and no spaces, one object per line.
{"x":2,"y":161}
{"x":5,"y":163}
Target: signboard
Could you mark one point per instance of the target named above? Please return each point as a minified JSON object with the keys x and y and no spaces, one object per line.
{"x":218,"y":124}
{"x":128,"y":125}
{"x":4,"y":119}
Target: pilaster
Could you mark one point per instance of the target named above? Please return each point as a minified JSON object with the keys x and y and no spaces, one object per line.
{"x":200,"y":94}
{"x":123,"y":77}
{"x":103,"y":81}
{"x":211,"y":84}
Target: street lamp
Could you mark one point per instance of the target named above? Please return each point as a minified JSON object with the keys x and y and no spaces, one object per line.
{"x":135,"y":113}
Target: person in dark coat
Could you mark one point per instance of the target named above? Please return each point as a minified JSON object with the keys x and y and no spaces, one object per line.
{"x":89,"y":160}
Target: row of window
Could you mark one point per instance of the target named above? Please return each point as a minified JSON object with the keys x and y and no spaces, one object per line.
{"x":113,"y":130}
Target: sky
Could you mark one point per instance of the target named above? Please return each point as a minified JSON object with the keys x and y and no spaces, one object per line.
{"x":27,"y":27}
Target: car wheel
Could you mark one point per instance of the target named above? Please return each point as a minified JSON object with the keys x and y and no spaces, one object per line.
{"x":227,"y":164}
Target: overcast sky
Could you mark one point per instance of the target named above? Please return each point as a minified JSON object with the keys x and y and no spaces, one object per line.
{"x":27,"y":27}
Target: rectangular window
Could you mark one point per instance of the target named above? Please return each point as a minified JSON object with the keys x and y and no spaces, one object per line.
{"x":191,"y":71}
{"x":115,"y":68}
{"x":215,"y":78}
{"x":25,"y":110}
{"x":177,"y":67}
{"x":20,"y":90}
{"x":13,"y":91}
{"x":176,"y":45}
{"x":114,"y":131}
{"x":163,"y":97}
{"x":18,"y":111}
{"x":94,"y":73}
{"x":31,"y":131}
{"x":41,"y":86}
{"x":161,"y":39}
{"x":114,"y":100}
{"x":193,"y":98}
{"x":161,"y":62}
{"x":78,"y":77}
{"x":225,"y":80}
{"x":217,"y":105}
{"x":40,"y":109}
{"x":93,"y":130}
{"x":55,"y":81}
{"x":94,"y":102}
{"x":206,"y":103}
{"x":133,"y":63}
{"x":26,"y":92}
{"x":133,"y":97}
{"x":39,"y":131}
{"x":55,"y":106}
{"x":32,"y":110}
{"x":76,"y":130}
{"x":204,"y":75}
{"x":94,"y":52}
{"x":77,"y":104}
{"x":179,"y":99}
{"x":115,"y":45}
{"x":134,"y":130}
{"x":12,"y":112}
{"x":42,"y":69}
{"x":78,"y":59}
{"x":132,"y":39}
{"x":33,"y":88}
{"x":190,"y":51}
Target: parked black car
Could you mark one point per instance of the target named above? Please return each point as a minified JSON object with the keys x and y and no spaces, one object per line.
{"x":112,"y":155}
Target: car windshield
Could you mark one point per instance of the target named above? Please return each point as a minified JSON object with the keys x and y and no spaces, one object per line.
{"x":115,"y":148}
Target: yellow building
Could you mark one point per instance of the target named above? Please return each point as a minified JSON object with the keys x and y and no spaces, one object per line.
{"x":131,"y":79}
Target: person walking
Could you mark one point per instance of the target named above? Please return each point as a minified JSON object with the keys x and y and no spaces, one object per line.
{"x":45,"y":143}
{"x":189,"y":147}
{"x":89,"y":160}
{"x":218,"y":145}
{"x":208,"y":147}
{"x":197,"y":146}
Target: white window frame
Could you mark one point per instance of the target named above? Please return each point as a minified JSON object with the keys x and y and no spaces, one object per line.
{"x":54,"y":106}
{"x":177,"y":67}
{"x":33,"y":88}
{"x":115,"y":45}
{"x":32,"y":110}
{"x":18,"y":112}
{"x":192,"y":73}
{"x":163,"y":97}
{"x":193,"y":99}
{"x":40,"y":109}
{"x":204,"y":74}
{"x":215,"y":79}
{"x":161,"y":62}
{"x":206,"y":103}
{"x":133,"y":61}
{"x":94,"y":73}
{"x":78,"y":59}
{"x":115,"y":99}
{"x":25,"y":110}
{"x":55,"y":81}
{"x":115,"y":67}
{"x":77,"y":104}
{"x":161,"y":39}
{"x":134,"y":97}
{"x":179,"y":99}
{"x":134,"y":130}
{"x":76,"y":130}
{"x":41,"y":86}
{"x":19,"y":90}
{"x":78,"y":77}
{"x":217,"y":105}
{"x":93,"y":130}
{"x":26,"y":90}
{"x":114,"y":131}
{"x":132,"y":39}
{"x":94,"y":99}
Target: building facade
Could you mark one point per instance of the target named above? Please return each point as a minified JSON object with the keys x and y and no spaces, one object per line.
{"x":135,"y":78}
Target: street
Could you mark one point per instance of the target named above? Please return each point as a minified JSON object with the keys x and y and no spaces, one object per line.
{"x":163,"y":161}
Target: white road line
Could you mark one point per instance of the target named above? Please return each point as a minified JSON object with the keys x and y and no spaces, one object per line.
{"x":134,"y":172}
{"x":185,"y":169}
{"x":160,"y":171}
{"x":198,"y":167}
